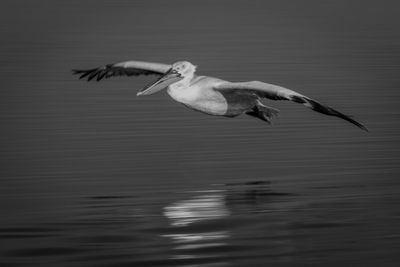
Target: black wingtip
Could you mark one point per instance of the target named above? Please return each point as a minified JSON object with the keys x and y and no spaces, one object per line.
{"x":326,"y":110}
{"x":359,"y":125}
{"x":75,"y":71}
{"x":84,"y":73}
{"x":332,"y":112}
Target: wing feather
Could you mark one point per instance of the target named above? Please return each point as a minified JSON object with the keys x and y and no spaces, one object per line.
{"x":275,"y":92}
{"x":126,"y":68}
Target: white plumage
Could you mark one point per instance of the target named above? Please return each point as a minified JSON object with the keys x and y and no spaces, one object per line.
{"x":210,"y":95}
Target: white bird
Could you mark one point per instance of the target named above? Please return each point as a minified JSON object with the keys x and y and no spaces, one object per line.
{"x":210,"y":95}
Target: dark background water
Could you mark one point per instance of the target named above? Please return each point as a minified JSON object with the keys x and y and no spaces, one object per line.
{"x":91,"y":175}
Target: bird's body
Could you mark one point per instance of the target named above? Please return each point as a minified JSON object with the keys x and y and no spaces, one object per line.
{"x":211,"y":95}
{"x":199,"y":94}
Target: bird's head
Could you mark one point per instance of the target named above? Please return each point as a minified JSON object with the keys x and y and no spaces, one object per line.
{"x":184,"y":68}
{"x":179,"y":71}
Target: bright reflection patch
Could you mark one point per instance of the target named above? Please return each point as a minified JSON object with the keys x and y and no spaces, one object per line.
{"x":200,"y":208}
{"x":208,"y":205}
{"x":197,"y":237}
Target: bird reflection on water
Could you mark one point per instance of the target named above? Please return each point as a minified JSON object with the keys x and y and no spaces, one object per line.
{"x":208,"y":206}
{"x":204,"y":207}
{"x":205,"y":227}
{"x":226,"y":224}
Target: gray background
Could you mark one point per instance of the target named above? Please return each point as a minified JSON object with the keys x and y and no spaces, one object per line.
{"x":65,"y":141}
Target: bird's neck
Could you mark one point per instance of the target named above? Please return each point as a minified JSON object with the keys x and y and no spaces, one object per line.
{"x":181,"y":91}
{"x":184,"y":83}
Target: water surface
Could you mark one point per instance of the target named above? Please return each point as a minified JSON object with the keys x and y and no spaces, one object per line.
{"x":91,"y":175}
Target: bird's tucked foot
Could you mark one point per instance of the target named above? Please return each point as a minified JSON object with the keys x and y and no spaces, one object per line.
{"x":263,"y":112}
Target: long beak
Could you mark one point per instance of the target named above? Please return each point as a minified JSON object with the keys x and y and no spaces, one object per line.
{"x":169,"y":78}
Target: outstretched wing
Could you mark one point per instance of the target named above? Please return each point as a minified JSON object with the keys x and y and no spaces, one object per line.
{"x":275,"y":92}
{"x":126,"y":68}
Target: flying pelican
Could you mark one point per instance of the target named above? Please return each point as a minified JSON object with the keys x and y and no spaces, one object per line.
{"x":207,"y":94}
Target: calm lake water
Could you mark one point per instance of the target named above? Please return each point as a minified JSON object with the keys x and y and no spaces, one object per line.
{"x":92,"y":175}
